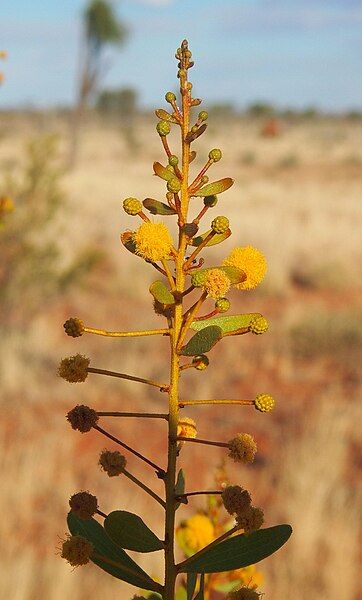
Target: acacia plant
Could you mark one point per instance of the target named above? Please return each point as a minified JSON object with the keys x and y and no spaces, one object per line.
{"x":179,"y":297}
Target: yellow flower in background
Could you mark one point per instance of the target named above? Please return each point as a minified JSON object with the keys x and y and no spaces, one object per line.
{"x":251,"y":261}
{"x":195,"y":533}
{"x":186,"y":427}
{"x":153,"y":241}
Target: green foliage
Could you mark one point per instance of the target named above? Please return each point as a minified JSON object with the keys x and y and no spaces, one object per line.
{"x":126,"y":569}
{"x":227,"y":323}
{"x":216,"y":239}
{"x":31,"y":256}
{"x":102,"y":25}
{"x":215,"y":188}
{"x":161,"y":293}
{"x":191,"y":585}
{"x":202,"y":341}
{"x":162,"y":172}
{"x":233,"y":273}
{"x":238,"y":551}
{"x":128,"y":531}
{"x":158,"y":208}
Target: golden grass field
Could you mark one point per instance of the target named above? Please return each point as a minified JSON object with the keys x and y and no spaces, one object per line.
{"x":297,"y":198}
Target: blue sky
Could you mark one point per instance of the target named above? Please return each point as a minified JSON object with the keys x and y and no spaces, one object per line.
{"x":291,"y":52}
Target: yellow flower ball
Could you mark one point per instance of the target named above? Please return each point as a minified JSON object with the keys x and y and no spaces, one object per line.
{"x":251,"y":261}
{"x":216,"y":284}
{"x":153,"y":241}
{"x":195,"y":533}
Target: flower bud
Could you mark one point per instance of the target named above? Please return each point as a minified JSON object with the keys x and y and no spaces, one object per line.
{"x":259,"y":325}
{"x":204,"y":179}
{"x":220,"y":224}
{"x":77,"y":550}
{"x":235,"y":499}
{"x":215,"y":154}
{"x":74,"y":368}
{"x":242,"y":448}
{"x":210,"y":201}
{"x":163,"y":128}
{"x":132,"y":206}
{"x":113,"y":463}
{"x":264,"y":402}
{"x":201,"y":362}
{"x":170,"y":97}
{"x":203,"y":115}
{"x":173,"y":160}
{"x":251,"y":519}
{"x":222,"y":304}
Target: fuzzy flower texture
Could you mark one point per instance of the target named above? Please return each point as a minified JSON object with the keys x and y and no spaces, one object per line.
{"x":251,"y":261}
{"x":153,"y":241}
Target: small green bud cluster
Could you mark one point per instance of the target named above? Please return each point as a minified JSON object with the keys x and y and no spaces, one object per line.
{"x":222,"y":305}
{"x":170,"y":97}
{"x":264,"y":402}
{"x":259,"y":325}
{"x":220,"y":224}
{"x":203,"y":115}
{"x":174,"y":185}
{"x":163,"y":128}
{"x":215,"y":155}
{"x":132,"y":206}
{"x":173,"y":160}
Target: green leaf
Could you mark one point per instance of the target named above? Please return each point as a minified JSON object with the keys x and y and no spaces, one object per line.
{"x":162,"y":172}
{"x":130,"y":532}
{"x":127,"y":241}
{"x":192,"y":155}
{"x":227,"y":323}
{"x":192,"y":136}
{"x":164,"y":115}
{"x":202,"y":341}
{"x":216,"y":239}
{"x":180,"y":485}
{"x":158,"y":208}
{"x":239,"y":551}
{"x":234,"y":274}
{"x":216,"y":187}
{"x":126,"y":569}
{"x":161,"y":293}
{"x":191,"y":584}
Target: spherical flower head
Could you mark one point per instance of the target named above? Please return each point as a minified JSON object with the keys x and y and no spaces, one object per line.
{"x":173,"y":160}
{"x":163,"y":128}
{"x":215,"y":154}
{"x":210,"y":201}
{"x":174,"y":185}
{"x":242,"y":448}
{"x":77,"y":550}
{"x":83,"y":504}
{"x":203,"y":115}
{"x":113,"y":463}
{"x":132,"y":206}
{"x":250,"y":519}
{"x":259,"y":325}
{"x":153,"y":241}
{"x":201,"y":362}
{"x":243,"y":593}
{"x":82,"y":418}
{"x":251,"y":261}
{"x":220,"y":224}
{"x":197,"y":532}
{"x":235,"y":499}
{"x":186,"y":427}
{"x":74,"y":368}
{"x":74,"y":327}
{"x":264,"y":402}
{"x":216,"y":284}
{"x":222,"y":304}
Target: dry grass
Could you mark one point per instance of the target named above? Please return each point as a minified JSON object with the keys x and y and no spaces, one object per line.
{"x":303,"y":215}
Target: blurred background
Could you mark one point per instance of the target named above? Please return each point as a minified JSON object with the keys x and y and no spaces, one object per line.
{"x":281,"y":82}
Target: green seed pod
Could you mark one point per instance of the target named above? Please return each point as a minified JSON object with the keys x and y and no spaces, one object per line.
{"x":210,"y":201}
{"x":215,"y":154}
{"x":173,"y":160}
{"x":222,"y":305}
{"x":264,"y":402}
{"x":174,"y":185}
{"x":132,"y":206}
{"x":163,"y":128}
{"x":201,"y":362}
{"x":220,"y":224}
{"x":259,"y":325}
{"x":170,"y":97}
{"x":203,"y":115}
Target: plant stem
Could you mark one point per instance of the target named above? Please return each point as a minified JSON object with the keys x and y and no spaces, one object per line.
{"x":204,"y":243}
{"x":162,"y":386}
{"x":160,"y":471}
{"x":188,"y":318}
{"x":203,"y":493}
{"x":126,"y":333}
{"x":144,"y":487}
{"x":170,"y":567}
{"x":133,"y":414}
{"x":202,"y":402}
{"x":198,"y":441}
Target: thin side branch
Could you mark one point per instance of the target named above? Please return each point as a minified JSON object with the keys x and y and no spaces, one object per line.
{"x":126,"y":333}
{"x":133,"y":414}
{"x":203,"y":402}
{"x":144,"y":487}
{"x":198,"y":441}
{"x":162,"y":386}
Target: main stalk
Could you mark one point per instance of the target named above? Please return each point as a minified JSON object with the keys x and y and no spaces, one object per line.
{"x":170,"y":569}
